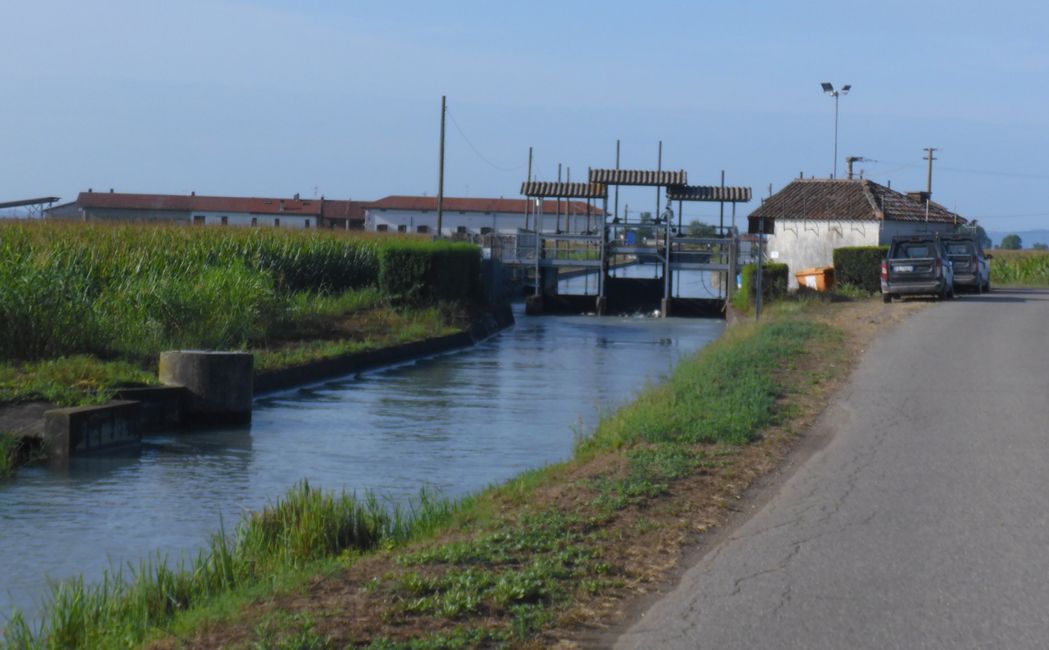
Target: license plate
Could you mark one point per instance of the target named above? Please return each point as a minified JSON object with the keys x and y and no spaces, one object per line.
{"x":904,"y":268}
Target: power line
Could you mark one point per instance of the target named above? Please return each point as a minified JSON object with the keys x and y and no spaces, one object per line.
{"x":963,"y":170}
{"x":476,"y":151}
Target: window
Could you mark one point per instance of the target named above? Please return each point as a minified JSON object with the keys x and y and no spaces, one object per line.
{"x":224,"y":220}
{"x":422,"y":229}
{"x":276,"y":222}
{"x":307,"y":223}
{"x":461,"y":230}
{"x":382,"y":227}
{"x":486,"y":231}
{"x":402,"y":228}
{"x":254,"y":221}
{"x":198,"y":220}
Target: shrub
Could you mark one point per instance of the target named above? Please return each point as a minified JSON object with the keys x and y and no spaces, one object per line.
{"x":859,"y":266}
{"x":415,"y":273}
{"x":773,"y":281}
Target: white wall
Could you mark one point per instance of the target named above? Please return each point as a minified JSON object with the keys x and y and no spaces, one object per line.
{"x":804,"y":244}
{"x":504,"y":223}
{"x":244,"y":219}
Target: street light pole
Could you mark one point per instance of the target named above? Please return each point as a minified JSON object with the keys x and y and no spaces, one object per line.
{"x":829,"y":89}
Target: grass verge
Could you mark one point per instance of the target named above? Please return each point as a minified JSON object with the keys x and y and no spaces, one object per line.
{"x":523,"y":564}
{"x":321,"y":327}
{"x":70,"y":381}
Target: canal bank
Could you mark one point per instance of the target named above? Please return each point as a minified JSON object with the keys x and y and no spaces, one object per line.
{"x":37,"y":429}
{"x":539,"y":560}
{"x":455,"y":423}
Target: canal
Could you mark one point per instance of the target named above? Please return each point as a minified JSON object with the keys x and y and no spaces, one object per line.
{"x":454,"y":423}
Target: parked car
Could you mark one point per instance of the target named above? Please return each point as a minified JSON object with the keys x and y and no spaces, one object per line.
{"x":917,"y":265}
{"x":971,"y":270}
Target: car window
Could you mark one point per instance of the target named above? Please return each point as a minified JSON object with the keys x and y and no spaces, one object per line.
{"x":959,"y":248}
{"x":915,"y":249}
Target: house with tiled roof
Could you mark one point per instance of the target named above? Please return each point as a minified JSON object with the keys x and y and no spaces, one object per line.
{"x":477,"y":216}
{"x":809,"y":218}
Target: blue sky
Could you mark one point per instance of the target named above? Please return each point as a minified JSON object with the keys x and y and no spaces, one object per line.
{"x":270,"y":97}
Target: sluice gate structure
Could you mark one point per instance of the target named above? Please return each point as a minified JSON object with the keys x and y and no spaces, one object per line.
{"x":602,"y":246}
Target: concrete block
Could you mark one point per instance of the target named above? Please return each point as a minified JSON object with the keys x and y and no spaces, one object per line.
{"x":81,"y":429}
{"x":163,"y":407}
{"x":219,"y":385}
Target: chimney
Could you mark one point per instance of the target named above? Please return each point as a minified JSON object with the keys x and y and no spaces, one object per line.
{"x":296,"y":196}
{"x":193,"y":193}
{"x":111,"y":190}
{"x":89,"y":190}
{"x":920,"y":197}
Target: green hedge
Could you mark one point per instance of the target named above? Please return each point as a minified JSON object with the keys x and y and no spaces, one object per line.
{"x":773,"y":281}
{"x":424,"y":272}
{"x":859,"y":266}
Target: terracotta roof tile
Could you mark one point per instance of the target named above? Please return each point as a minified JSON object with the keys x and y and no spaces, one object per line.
{"x":453,"y":204}
{"x":839,"y":199}
{"x":191,"y":203}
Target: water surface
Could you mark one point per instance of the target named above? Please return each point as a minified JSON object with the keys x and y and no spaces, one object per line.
{"x":455,"y":423}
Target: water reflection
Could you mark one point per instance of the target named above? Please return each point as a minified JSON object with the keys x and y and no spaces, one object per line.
{"x":455,"y":423}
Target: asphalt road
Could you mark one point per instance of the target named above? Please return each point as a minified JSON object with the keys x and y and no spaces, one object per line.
{"x":923,"y":523}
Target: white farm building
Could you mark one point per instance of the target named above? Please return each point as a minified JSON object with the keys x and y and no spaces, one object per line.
{"x":809,"y":218}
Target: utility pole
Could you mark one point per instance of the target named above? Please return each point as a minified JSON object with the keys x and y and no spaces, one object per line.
{"x":930,"y":158}
{"x":659,"y":168}
{"x":616,"y":208}
{"x":440,"y":171}
{"x":529,"y":180}
{"x":557,"y":221}
{"x":928,"y":181}
{"x":721,"y":219}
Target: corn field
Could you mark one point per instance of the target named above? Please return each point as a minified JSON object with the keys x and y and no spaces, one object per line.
{"x":1020,"y":268}
{"x":130,"y":291}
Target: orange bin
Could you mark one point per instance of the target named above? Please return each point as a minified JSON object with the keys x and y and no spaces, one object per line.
{"x":818,"y":279}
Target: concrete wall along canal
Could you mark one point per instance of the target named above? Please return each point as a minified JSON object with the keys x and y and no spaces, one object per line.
{"x":208,"y":388}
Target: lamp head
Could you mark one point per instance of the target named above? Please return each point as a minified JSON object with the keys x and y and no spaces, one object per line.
{"x":827,"y":88}
{"x":845,"y":89}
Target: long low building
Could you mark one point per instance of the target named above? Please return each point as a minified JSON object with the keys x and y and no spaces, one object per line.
{"x":469,"y":217}
{"x":202,"y":210}
{"x":478,"y":216}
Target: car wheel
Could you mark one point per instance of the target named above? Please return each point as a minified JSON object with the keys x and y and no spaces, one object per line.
{"x":886,"y":298}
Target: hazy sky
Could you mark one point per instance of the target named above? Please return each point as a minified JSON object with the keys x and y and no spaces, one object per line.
{"x":273,"y":97}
